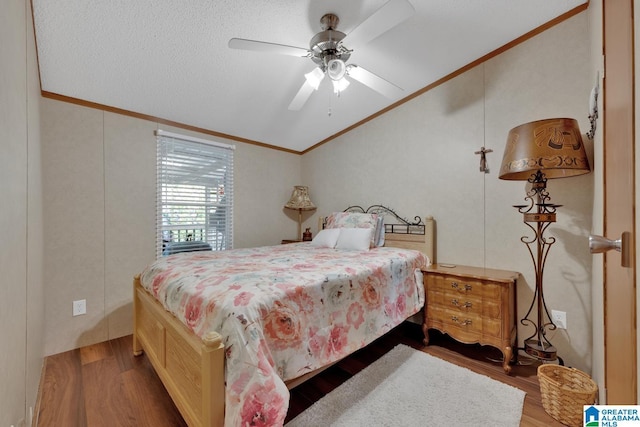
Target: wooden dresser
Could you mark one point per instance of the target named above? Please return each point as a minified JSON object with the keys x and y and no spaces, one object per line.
{"x":472,"y":305}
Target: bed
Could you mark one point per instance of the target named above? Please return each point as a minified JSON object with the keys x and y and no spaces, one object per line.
{"x":234,"y":369}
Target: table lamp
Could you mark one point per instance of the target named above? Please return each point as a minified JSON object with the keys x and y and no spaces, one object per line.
{"x":300,"y":201}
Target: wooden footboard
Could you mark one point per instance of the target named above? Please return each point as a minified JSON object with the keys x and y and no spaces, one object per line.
{"x":191,"y":369}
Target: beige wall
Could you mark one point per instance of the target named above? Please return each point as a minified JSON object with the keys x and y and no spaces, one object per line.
{"x":99,"y":184}
{"x":419,"y":160}
{"x":21,"y":301}
{"x":35,"y":226}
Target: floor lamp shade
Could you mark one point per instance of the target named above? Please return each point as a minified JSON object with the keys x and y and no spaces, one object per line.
{"x":300,"y":201}
{"x":535,"y":151}
{"x":553,"y":146}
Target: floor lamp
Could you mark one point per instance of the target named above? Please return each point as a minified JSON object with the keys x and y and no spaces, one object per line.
{"x":535,"y":152}
{"x":300,"y":201}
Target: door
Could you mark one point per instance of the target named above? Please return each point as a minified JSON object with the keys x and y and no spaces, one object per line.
{"x":620,"y":362}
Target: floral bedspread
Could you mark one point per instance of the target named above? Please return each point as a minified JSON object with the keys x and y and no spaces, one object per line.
{"x":286,"y":310}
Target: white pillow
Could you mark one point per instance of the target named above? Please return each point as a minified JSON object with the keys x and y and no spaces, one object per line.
{"x":326,"y":238}
{"x":354,"y":238}
{"x":354,"y":220}
{"x":380,"y":230}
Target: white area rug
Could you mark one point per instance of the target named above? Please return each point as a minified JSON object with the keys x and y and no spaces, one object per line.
{"x":407,"y":387}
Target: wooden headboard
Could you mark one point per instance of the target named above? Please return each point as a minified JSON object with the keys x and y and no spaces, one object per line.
{"x":418,"y":234}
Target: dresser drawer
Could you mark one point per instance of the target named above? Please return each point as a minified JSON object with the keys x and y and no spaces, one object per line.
{"x":464,"y":286}
{"x":465,"y":320}
{"x":480,"y":306}
{"x":470,"y":302}
{"x":448,"y":299}
{"x":470,"y":322}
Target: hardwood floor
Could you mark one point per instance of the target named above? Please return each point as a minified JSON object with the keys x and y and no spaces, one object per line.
{"x":105,"y":385}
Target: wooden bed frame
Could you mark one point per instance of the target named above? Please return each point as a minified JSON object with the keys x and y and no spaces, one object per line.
{"x":192,"y":369}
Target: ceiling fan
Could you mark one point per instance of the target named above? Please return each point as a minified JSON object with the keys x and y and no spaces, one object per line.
{"x":328,"y":51}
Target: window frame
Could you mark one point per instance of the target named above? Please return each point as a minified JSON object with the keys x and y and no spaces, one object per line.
{"x":189,"y":203}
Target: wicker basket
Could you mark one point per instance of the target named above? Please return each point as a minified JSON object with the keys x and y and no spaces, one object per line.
{"x":565,"y":391}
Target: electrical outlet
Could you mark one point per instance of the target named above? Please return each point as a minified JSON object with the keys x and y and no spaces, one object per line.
{"x":559,"y":318}
{"x":80,"y":307}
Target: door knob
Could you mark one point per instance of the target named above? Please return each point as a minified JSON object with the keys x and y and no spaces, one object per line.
{"x":599,"y":244}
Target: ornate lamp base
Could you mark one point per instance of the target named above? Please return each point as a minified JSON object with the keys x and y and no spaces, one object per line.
{"x":540,"y":350}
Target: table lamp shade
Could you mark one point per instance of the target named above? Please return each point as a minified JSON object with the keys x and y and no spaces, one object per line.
{"x":300,"y":199}
{"x":552,"y":146}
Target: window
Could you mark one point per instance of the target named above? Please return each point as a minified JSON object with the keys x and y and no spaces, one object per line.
{"x":194,"y":194}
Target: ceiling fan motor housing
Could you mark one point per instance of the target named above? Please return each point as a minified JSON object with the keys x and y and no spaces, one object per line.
{"x":325,"y":45}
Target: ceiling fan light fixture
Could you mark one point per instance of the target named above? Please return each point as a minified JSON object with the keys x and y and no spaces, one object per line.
{"x":336,"y":69}
{"x":314,"y":78}
{"x":339,"y":85}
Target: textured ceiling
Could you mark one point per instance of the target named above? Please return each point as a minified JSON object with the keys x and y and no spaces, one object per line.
{"x":171,"y":60}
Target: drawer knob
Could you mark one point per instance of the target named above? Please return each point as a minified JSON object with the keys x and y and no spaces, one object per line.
{"x":467,"y":304}
{"x":466,"y":287}
{"x":464,"y":322}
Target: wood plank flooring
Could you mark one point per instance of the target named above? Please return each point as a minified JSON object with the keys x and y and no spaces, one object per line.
{"x":105,"y":385}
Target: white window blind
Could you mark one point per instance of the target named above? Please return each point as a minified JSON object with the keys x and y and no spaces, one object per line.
{"x":194,"y":194}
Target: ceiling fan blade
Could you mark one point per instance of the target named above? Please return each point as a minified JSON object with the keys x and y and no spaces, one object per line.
{"x":388,"y":16}
{"x":259,"y":46}
{"x":374,"y":81}
{"x":301,"y":97}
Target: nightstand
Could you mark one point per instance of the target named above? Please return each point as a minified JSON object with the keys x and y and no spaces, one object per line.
{"x":472,"y":305}
{"x":285,"y":241}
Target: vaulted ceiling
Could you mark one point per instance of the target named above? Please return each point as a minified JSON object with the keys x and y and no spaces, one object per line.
{"x":171,"y":60}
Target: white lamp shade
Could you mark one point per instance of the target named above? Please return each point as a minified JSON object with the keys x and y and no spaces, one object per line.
{"x":314,"y":77}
